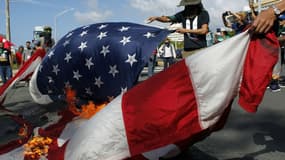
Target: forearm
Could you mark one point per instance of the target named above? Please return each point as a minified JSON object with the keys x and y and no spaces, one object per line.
{"x":201,"y":31}
{"x":281,"y":6}
{"x":159,"y":18}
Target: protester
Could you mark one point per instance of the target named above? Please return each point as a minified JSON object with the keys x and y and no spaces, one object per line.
{"x":220,"y":35}
{"x":195,"y":21}
{"x":28,"y":51}
{"x":236,"y":21}
{"x":5,"y":63}
{"x":151,"y":63}
{"x":265,"y":20}
{"x":19,"y":56}
{"x":167,"y":53}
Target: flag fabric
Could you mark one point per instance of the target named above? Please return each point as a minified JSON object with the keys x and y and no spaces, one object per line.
{"x":179,"y":104}
{"x":98,"y":61}
{"x":7,"y":44}
{"x":170,"y":110}
{"x":23,"y":73}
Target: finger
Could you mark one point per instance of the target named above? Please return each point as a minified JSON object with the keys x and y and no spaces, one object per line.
{"x":251,"y":29}
{"x":265,"y":28}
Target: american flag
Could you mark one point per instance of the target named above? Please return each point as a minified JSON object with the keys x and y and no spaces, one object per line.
{"x":98,"y":61}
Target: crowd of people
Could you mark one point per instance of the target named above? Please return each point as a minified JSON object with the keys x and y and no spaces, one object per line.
{"x":14,"y":59}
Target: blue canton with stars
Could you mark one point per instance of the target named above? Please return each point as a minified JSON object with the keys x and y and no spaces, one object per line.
{"x":98,"y":61}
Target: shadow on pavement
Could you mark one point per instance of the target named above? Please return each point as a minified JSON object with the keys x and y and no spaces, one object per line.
{"x":271,"y":137}
{"x":193,"y":153}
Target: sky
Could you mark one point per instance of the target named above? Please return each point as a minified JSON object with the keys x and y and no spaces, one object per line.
{"x":66,"y":15}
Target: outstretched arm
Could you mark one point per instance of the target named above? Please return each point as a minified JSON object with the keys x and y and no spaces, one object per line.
{"x":160,"y":19}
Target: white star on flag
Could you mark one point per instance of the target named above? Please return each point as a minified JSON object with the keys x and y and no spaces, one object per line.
{"x":82,"y":46}
{"x":124,"y":29}
{"x":102,"y":26}
{"x":98,"y":82}
{"x":50,"y":54}
{"x":131,"y":59}
{"x":88,"y":91}
{"x":50,"y":80}
{"x":105,"y":50}
{"x":149,"y":35}
{"x":76,"y":75}
{"x":67,"y":57}
{"x":69,"y":35}
{"x":55,"y":69}
{"x":125,"y":40}
{"x":89,"y":63}
{"x":102,"y":35}
{"x":113,"y":70}
{"x":87,"y":26}
{"x":66,"y":43}
{"x":83,"y":33}
{"x":67,"y":84}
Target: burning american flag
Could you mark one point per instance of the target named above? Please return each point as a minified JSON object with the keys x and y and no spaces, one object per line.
{"x":164,"y":112}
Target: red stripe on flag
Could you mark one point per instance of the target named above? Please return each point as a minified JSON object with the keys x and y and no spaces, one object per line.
{"x":160,"y":111}
{"x":262,"y":55}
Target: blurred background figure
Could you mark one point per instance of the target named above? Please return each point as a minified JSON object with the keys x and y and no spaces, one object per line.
{"x":5,"y":63}
{"x":221,"y":35}
{"x":167,"y":53}
{"x":235,"y":21}
{"x":28,"y":51}
{"x":152,"y":63}
{"x":19,"y":56}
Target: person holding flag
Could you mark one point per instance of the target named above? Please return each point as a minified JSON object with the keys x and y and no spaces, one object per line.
{"x":195,"y":20}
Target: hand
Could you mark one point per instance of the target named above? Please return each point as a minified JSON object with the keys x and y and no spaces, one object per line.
{"x":151,"y":19}
{"x":181,"y":30}
{"x":264,"y":21}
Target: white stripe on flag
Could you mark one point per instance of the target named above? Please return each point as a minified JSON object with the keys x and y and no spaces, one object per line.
{"x":102,"y":137}
{"x":216,"y":73}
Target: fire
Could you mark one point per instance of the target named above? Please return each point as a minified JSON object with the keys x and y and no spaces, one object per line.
{"x":37,"y":147}
{"x":23,"y":131}
{"x":90,"y":109}
{"x":85,"y":111}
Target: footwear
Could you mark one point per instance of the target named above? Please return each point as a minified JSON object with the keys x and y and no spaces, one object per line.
{"x":274,"y":85}
{"x":282,"y":83}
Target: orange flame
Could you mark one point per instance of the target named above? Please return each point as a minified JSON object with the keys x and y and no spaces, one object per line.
{"x":23,"y":131}
{"x":86,"y":111}
{"x":90,"y":109}
{"x":37,"y":147}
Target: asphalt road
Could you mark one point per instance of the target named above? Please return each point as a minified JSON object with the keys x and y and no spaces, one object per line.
{"x":246,"y":136}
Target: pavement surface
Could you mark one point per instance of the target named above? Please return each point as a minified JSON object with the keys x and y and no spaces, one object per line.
{"x":246,"y":136}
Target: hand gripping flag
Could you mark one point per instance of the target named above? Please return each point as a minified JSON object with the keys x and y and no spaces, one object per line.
{"x":98,"y":61}
{"x":179,"y":104}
